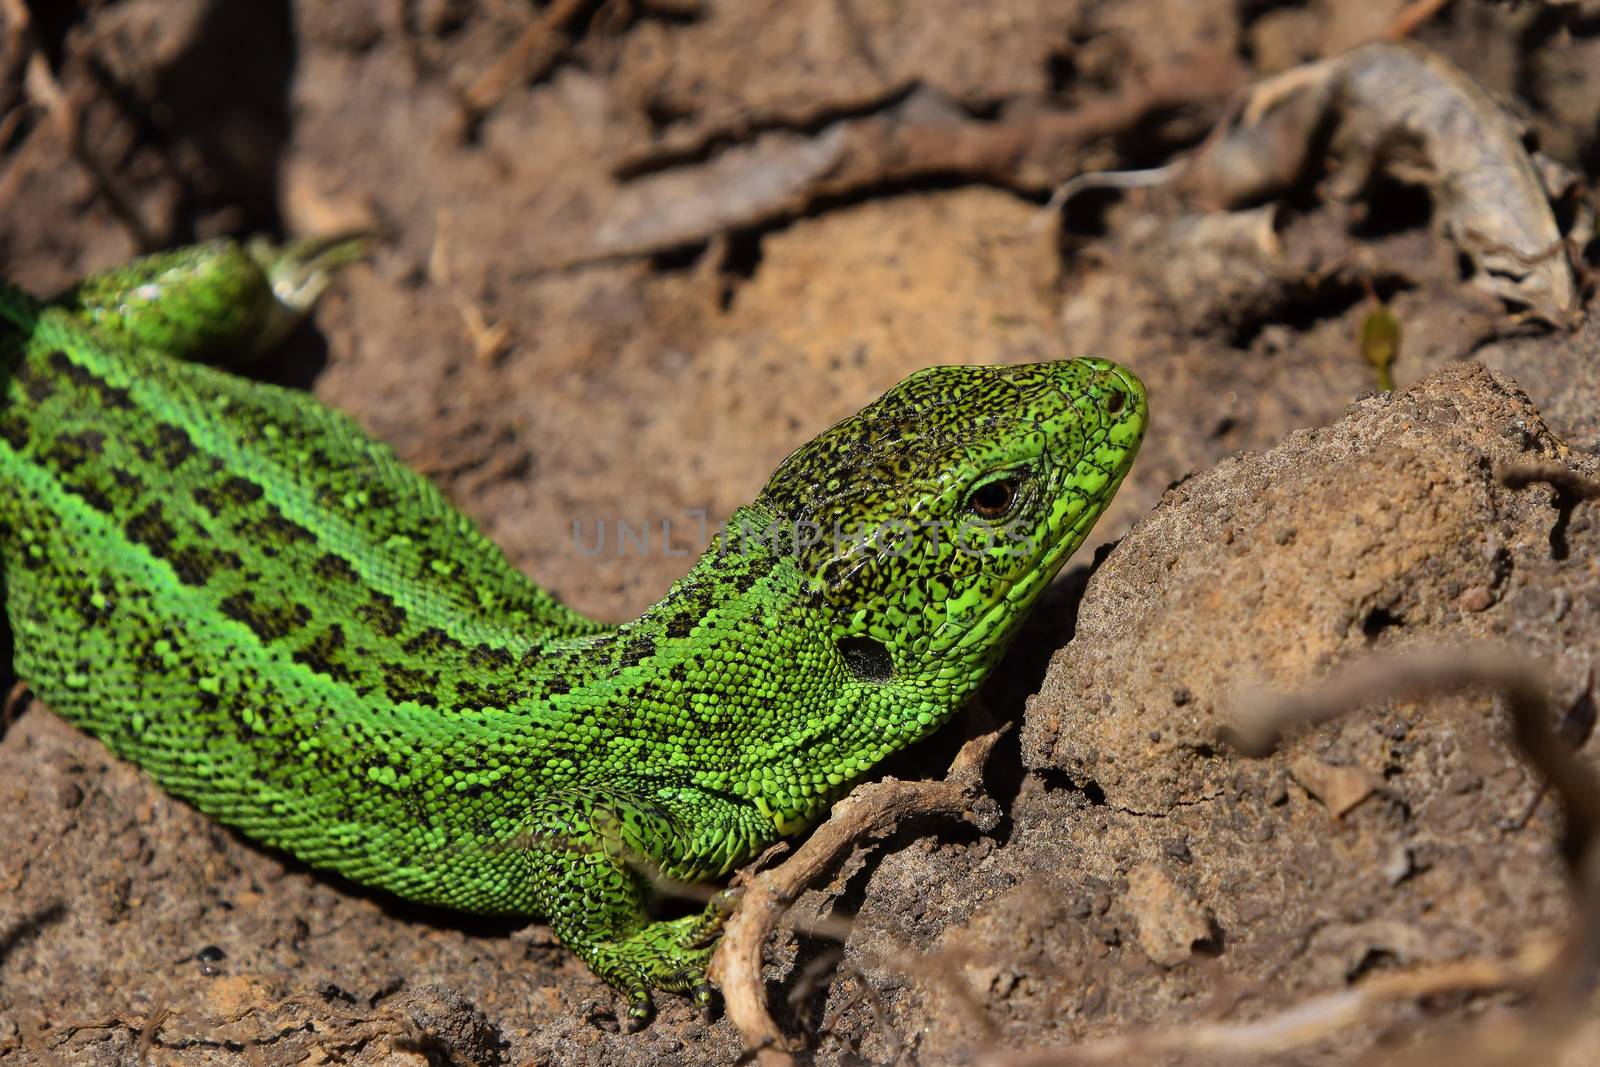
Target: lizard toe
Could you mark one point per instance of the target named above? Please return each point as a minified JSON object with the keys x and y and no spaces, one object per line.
{"x":641,"y":1009}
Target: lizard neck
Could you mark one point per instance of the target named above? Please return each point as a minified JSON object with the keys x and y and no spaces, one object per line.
{"x":737,"y":675}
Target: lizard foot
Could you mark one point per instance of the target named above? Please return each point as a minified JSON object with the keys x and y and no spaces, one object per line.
{"x":671,"y":955}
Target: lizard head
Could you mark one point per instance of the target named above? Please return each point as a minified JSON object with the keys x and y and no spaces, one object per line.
{"x":927,"y":524}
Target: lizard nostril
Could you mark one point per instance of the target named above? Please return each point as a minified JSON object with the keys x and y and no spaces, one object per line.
{"x":1114,"y":402}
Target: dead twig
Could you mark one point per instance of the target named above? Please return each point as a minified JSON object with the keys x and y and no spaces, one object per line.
{"x":997,"y":151}
{"x":781,"y":174}
{"x":1411,"y":18}
{"x":16,"y":700}
{"x":489,"y":339}
{"x":527,"y":58}
{"x":284,"y":1019}
{"x":1558,"y":476}
{"x":1308,"y":1021}
{"x":866,"y":994}
{"x":871,"y":811}
{"x":1122,"y":180}
{"x":1119,"y":180}
{"x":147,"y":1033}
{"x":689,"y":145}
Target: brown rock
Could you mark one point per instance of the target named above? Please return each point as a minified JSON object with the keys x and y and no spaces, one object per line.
{"x":1339,"y":788}
{"x":1170,"y":920}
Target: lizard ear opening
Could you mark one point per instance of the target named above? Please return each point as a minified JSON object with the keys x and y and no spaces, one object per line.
{"x":866,"y":659}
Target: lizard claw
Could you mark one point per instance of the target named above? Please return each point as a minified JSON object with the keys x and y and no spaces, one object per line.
{"x":641,"y":1009}
{"x":705,"y":998}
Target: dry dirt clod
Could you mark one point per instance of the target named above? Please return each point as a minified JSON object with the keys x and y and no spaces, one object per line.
{"x":1338,"y":788}
{"x":1171,"y":921}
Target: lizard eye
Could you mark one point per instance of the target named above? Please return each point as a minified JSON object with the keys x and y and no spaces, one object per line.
{"x":994,"y":500}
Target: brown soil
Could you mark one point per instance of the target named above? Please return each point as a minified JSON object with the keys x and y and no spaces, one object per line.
{"x":1146,"y":873}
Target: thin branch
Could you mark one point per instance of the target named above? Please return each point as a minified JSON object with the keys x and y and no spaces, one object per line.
{"x":1311,"y":1020}
{"x":781,"y":175}
{"x":526,"y":59}
{"x":147,"y":1033}
{"x":871,"y":811}
{"x":1557,"y":475}
{"x":1411,"y":18}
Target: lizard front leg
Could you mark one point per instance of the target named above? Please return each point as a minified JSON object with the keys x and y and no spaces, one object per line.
{"x":588,"y":857}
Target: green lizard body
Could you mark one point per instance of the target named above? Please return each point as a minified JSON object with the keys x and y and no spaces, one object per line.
{"x":238,"y":590}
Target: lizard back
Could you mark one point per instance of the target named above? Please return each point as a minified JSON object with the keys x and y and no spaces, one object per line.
{"x":268,"y":611}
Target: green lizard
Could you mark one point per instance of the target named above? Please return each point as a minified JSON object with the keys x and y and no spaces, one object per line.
{"x":238,"y":590}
